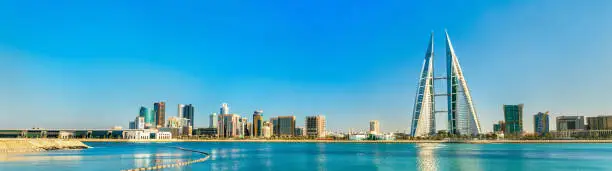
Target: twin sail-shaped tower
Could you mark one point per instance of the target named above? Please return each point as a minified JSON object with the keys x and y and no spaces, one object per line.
{"x":462,"y":118}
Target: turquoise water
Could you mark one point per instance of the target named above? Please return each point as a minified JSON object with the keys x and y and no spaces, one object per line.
{"x":320,"y":156}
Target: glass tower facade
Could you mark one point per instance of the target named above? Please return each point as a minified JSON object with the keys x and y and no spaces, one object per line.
{"x":513,"y":115}
{"x":258,"y":123}
{"x":188,"y":111}
{"x":148,"y":116}
{"x":462,"y":117}
{"x":160,"y":114}
{"x":423,"y":117}
{"x":540,"y":123}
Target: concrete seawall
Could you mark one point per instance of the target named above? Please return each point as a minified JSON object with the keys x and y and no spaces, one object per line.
{"x":36,"y":145}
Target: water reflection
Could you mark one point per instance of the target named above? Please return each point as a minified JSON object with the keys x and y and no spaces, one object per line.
{"x":321,"y":157}
{"x":426,"y":159}
{"x":465,"y":157}
{"x":37,"y":158}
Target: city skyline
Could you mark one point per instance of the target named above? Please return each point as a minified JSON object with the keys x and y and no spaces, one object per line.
{"x":96,"y":68}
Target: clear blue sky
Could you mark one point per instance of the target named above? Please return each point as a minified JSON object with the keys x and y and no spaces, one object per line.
{"x":77,"y":64}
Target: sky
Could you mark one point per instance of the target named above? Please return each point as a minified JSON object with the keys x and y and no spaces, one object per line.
{"x":82,"y":64}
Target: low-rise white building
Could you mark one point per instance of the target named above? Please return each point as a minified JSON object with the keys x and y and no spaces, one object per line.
{"x":163,"y":135}
{"x":358,"y":137}
{"x":137,"y":134}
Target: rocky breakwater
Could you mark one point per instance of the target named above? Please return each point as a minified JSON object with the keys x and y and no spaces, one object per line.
{"x":36,"y":145}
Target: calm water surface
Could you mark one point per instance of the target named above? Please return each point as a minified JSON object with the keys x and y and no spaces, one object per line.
{"x":320,"y":156}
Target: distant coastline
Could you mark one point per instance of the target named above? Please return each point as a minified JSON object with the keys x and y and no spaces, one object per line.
{"x":350,"y":141}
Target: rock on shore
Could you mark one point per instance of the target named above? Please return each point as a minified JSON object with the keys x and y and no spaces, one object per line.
{"x":36,"y":145}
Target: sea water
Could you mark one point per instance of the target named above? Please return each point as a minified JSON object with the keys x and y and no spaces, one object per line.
{"x":319,"y":156}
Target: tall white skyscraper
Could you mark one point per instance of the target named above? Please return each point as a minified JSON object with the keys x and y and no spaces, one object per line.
{"x":423,"y":115}
{"x":212,"y":121}
{"x":462,"y":117}
{"x":224,"y":109}
{"x":180,"y":110}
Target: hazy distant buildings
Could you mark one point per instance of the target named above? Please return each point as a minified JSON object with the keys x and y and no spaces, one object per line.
{"x":513,"y":115}
{"x":374,"y":127}
{"x":224,"y":109}
{"x":315,"y":126}
{"x":228,"y":125}
{"x":570,"y":123}
{"x":283,"y":126}
{"x":541,"y":123}
{"x":600,"y":123}
{"x":160,"y":114}
{"x":258,"y":121}
{"x":212,"y":120}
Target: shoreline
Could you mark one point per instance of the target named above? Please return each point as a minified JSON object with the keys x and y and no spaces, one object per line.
{"x":357,"y":142}
{"x":24,"y":145}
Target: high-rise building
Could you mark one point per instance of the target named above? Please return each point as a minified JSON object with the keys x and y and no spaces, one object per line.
{"x":149,"y":116}
{"x":374,"y":127}
{"x":188,"y":111}
{"x":139,"y":123}
{"x":499,"y":127}
{"x":143,"y":112}
{"x":274,"y":123}
{"x":258,"y":123}
{"x":160,"y":114}
{"x":266,"y":130}
{"x":565,"y":123}
{"x":423,"y":115}
{"x":299,"y":132}
{"x":212,"y":121}
{"x":248,"y":131}
{"x":315,"y":126}
{"x":600,"y":123}
{"x":152,"y":119}
{"x":180,"y":111}
{"x":462,"y":117}
{"x":513,"y":115}
{"x":228,"y":125}
{"x":540,"y":123}
{"x":224,"y":109}
{"x":283,"y":126}
{"x":242,"y":125}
